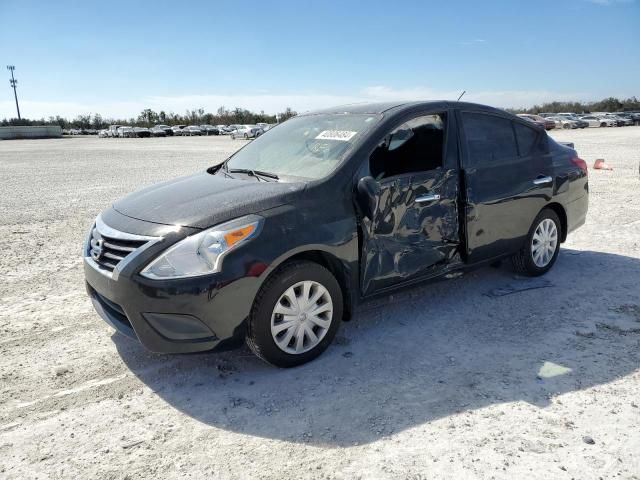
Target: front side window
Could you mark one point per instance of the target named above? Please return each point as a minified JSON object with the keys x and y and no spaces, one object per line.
{"x":490,"y":139}
{"x":415,"y":146}
{"x":305,"y":147}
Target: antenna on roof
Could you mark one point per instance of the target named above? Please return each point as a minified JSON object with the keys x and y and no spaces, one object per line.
{"x":463,"y":92}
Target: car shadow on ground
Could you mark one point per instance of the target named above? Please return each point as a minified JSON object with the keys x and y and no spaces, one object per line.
{"x":425,"y":354}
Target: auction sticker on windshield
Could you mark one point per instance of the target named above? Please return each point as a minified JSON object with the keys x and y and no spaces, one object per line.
{"x":340,"y":135}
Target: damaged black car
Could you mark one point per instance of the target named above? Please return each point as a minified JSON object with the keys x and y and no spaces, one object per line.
{"x":283,"y":240}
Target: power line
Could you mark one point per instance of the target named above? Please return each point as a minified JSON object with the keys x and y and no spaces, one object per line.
{"x":13,"y":82}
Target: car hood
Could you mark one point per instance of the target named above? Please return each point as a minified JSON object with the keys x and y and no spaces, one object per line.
{"x":204,"y":200}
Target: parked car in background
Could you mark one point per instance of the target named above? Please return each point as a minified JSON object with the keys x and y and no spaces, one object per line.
{"x":286,"y":238}
{"x":573,"y":117}
{"x":159,"y":132}
{"x":177,"y":129}
{"x":562,"y":122}
{"x":234,"y":127}
{"x":126,"y":132}
{"x":543,"y":122}
{"x":167,"y":129}
{"x":191,"y":130}
{"x":629,"y":117}
{"x":247,"y":132}
{"x":209,"y":130}
{"x":142,"y":132}
{"x":104,"y":133}
{"x":113,"y":131}
{"x":594,"y":121}
{"x":635,"y":116}
{"x":221,"y":129}
{"x":621,"y":121}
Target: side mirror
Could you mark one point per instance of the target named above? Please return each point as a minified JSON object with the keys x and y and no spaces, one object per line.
{"x":368,"y":191}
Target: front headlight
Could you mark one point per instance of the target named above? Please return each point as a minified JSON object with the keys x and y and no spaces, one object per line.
{"x":202,"y":253}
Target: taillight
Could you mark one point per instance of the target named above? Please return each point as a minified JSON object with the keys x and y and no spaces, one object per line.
{"x":580,"y":163}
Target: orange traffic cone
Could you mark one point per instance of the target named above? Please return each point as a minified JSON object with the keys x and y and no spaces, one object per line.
{"x":601,"y":165}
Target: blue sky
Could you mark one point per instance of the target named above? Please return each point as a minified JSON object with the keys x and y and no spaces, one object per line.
{"x":117,"y":58}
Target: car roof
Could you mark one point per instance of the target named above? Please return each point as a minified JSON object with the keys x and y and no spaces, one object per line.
{"x":398,"y":107}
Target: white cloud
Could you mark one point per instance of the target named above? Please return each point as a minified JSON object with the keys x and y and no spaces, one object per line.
{"x":498,"y":98}
{"x":272,"y":103}
{"x":608,"y":3}
{"x":475,"y":41}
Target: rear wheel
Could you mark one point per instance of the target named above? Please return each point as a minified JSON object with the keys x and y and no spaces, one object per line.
{"x":542,"y":246}
{"x":295,"y":315}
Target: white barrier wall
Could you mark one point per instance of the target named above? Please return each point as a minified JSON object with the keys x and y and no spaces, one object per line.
{"x":48,"y":131}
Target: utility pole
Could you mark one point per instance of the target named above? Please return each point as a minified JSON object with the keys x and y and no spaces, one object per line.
{"x":13,"y":82}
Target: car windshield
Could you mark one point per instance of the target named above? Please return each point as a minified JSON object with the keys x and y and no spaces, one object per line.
{"x":308,"y":147}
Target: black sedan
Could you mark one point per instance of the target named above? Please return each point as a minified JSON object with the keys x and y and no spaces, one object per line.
{"x":282,"y":241}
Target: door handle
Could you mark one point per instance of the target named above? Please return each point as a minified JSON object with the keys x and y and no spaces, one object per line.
{"x":542,"y":180}
{"x":429,"y":197}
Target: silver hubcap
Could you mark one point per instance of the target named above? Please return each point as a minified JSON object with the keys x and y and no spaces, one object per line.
{"x":302,"y":317}
{"x":544,"y":242}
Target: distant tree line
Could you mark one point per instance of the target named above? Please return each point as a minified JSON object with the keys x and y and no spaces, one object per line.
{"x":610,"y":104}
{"x":224,"y":116}
{"x":149,"y":118}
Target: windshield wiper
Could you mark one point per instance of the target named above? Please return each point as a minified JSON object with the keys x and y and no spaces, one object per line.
{"x":255,"y":173}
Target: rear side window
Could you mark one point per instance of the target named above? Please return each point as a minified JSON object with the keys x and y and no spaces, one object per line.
{"x":528,"y":139}
{"x":490,"y":139}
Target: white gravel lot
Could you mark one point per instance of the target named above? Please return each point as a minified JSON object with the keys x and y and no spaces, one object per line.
{"x":441,"y":381}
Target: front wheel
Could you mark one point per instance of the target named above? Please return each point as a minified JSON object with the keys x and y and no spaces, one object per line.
{"x":295,"y":314}
{"x":542,"y":246}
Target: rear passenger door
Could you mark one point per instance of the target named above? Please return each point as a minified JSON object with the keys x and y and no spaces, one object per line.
{"x":508,"y":179}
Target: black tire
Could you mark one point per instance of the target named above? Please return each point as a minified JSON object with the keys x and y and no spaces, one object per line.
{"x":259,"y":338}
{"x":523,"y":260}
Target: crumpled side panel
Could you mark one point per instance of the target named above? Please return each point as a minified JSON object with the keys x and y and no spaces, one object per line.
{"x":407,"y":239}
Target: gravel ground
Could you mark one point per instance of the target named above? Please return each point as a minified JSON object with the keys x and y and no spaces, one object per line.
{"x":442,"y":381}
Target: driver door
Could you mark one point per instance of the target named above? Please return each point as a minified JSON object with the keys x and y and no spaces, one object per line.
{"x":412,"y":227}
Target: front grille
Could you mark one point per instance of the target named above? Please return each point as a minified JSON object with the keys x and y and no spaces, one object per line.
{"x":107,"y":251}
{"x":108,"y":247}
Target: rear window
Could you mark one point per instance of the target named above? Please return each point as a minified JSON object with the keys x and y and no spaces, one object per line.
{"x":490,"y":139}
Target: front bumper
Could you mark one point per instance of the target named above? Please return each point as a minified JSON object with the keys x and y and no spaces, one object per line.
{"x":173,"y":316}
